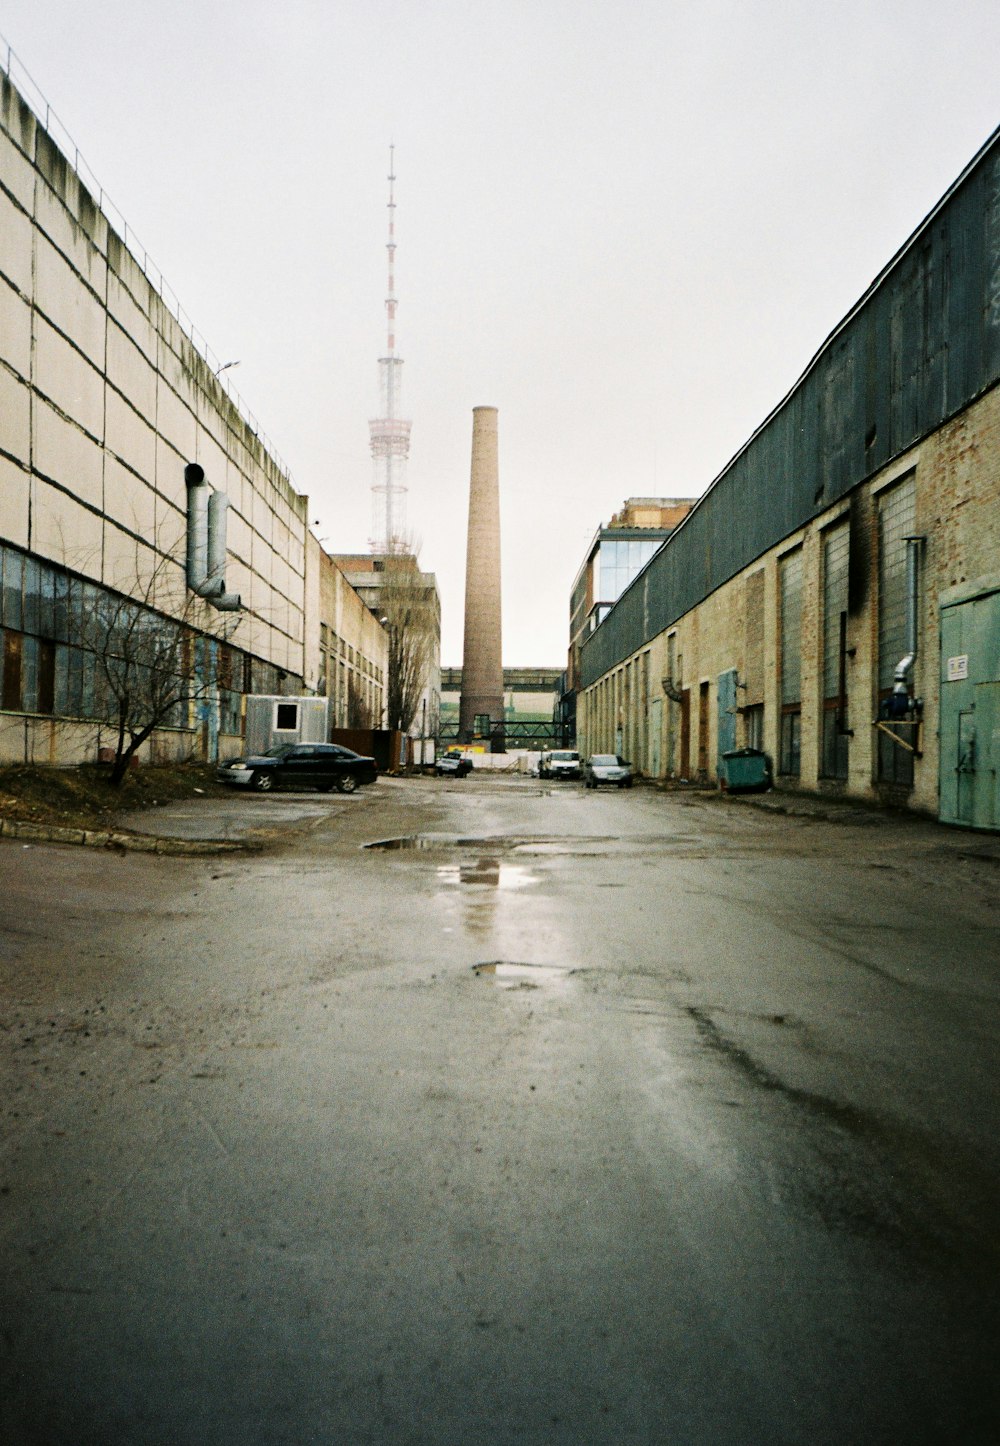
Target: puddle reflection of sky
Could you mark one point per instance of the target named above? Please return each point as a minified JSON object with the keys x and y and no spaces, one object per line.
{"x":489,"y":873}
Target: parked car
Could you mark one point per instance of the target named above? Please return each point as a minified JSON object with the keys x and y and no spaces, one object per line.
{"x":454,"y":763}
{"x":300,"y":765}
{"x":607,"y":768}
{"x":560,"y":763}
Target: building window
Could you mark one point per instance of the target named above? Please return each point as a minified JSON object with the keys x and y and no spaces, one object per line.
{"x":13,"y":651}
{"x":753,"y":723}
{"x":10,"y":595}
{"x":789,"y":756}
{"x":790,"y":602}
{"x":286,"y":717}
{"x":836,"y":740}
{"x":45,"y":677}
{"x":896,"y":522}
{"x":619,"y":562}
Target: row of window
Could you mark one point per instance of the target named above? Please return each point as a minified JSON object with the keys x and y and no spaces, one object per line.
{"x":334,"y":645}
{"x":65,"y":680}
{"x":61,"y":637}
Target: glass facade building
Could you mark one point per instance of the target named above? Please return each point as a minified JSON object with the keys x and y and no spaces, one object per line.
{"x":618,"y":563}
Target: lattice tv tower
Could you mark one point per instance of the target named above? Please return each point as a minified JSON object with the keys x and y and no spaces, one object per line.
{"x":390,"y":435}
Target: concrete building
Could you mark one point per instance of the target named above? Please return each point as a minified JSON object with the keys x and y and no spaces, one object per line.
{"x":835,"y":595}
{"x":115,"y":429}
{"x":347,"y":652}
{"x":618,"y":552}
{"x":375,"y":579}
{"x":481,"y":713}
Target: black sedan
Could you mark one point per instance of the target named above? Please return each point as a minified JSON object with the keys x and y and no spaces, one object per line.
{"x":300,"y":765}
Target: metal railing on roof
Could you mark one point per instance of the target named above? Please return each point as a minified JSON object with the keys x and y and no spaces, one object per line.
{"x":33,"y":97}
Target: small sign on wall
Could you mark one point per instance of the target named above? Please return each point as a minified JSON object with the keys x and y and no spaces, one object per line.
{"x":958,"y":668}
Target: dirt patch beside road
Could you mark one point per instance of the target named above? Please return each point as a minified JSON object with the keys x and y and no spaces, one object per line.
{"x":83,"y":797}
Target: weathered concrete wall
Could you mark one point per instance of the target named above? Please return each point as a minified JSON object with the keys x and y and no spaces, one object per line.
{"x":104,"y":398}
{"x":368,"y":576}
{"x":349,"y":648}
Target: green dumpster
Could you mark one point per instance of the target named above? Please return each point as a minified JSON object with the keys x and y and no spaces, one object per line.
{"x":746,"y":770}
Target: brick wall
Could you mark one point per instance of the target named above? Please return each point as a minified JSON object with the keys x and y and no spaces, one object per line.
{"x":956,"y":475}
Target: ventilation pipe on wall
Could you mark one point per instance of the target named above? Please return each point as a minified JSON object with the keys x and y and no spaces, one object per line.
{"x":206,"y":541}
{"x":218,"y":508}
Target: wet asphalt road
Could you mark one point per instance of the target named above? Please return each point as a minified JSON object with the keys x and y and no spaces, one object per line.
{"x":618,"y":1118}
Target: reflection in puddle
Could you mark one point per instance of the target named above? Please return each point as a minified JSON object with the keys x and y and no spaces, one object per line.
{"x":489,"y":872}
{"x":508,"y":975}
{"x":414,"y":841}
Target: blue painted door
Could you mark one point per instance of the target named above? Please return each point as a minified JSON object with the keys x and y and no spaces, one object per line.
{"x":727,"y":714}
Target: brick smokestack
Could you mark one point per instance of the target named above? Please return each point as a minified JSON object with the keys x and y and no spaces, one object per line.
{"x":482,"y":665}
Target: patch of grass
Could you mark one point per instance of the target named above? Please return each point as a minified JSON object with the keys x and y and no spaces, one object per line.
{"x":83,"y":797}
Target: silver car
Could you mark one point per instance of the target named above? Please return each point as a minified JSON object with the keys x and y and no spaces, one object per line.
{"x":607,"y":768}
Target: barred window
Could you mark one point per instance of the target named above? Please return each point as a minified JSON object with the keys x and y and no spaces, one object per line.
{"x":790,"y":602}
{"x":791,"y":628}
{"x":836,"y":557}
{"x":896,"y":522}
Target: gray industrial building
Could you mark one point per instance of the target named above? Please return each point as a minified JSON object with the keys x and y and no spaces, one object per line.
{"x":834,"y":597}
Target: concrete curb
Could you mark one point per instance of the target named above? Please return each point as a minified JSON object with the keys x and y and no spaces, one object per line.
{"x":120,"y":842}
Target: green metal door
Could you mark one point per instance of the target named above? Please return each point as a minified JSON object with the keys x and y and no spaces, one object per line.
{"x":970,"y":712}
{"x":656,"y":733}
{"x":965,"y":766}
{"x":727,"y":714}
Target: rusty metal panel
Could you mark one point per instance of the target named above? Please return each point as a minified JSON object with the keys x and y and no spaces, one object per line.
{"x":919,"y":347}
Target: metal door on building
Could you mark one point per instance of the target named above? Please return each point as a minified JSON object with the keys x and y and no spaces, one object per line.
{"x":970,"y":712}
{"x":703,"y":691}
{"x":727,"y":714}
{"x":686,"y":733}
{"x":656,"y":733}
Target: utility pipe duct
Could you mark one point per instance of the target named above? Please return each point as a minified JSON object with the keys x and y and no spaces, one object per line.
{"x":218,"y":508}
{"x":197,"y":526}
{"x":206,"y":542}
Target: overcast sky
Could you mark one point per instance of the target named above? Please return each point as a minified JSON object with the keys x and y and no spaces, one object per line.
{"x":627,"y":226}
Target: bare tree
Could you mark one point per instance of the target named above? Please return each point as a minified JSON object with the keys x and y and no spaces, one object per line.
{"x":409,"y":607}
{"x":360,"y":714}
{"x":145,"y":644}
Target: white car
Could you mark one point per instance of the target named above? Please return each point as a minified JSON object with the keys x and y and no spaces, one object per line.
{"x":453,"y":762}
{"x":560,"y":764}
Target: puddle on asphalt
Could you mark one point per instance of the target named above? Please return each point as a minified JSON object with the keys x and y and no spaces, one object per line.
{"x":490,"y":873}
{"x":507,"y":975}
{"x":415,"y":841}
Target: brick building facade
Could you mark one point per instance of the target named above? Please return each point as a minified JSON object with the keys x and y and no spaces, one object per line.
{"x":834,"y":598}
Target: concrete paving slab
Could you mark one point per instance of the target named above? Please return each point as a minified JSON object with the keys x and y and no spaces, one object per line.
{"x":232,"y":819}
